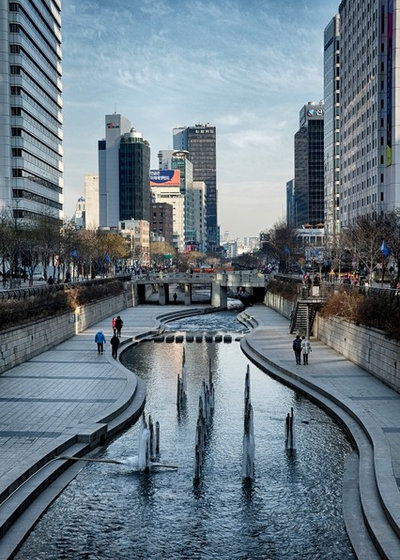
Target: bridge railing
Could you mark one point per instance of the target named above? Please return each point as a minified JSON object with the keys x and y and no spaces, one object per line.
{"x":240,"y":278}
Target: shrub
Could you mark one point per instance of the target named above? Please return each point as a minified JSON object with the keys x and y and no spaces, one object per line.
{"x":82,"y":294}
{"x":342,"y":304}
{"x":14,"y":312}
{"x":377,"y":310}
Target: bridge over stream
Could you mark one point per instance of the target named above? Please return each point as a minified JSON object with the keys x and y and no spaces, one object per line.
{"x":251,"y":284}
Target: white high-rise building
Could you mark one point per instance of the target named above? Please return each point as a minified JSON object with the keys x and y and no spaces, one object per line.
{"x":116,"y":125}
{"x":79,"y":215}
{"x":196,"y":222}
{"x":171,"y":194}
{"x":370,"y":109}
{"x":92,"y":202}
{"x":31,"y":181}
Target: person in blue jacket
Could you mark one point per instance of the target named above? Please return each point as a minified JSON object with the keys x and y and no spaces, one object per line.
{"x":100,"y":340}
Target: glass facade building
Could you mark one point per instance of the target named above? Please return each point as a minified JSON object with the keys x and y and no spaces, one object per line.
{"x":332,"y":127}
{"x":31,"y":172}
{"x":124,"y":168}
{"x":308,"y":199}
{"x":370,"y":109}
{"x":200,"y":142}
{"x":134,"y":182}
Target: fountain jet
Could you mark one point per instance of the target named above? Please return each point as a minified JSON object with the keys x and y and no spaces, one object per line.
{"x":248,"y":434}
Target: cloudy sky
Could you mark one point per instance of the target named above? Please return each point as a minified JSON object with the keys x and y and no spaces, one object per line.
{"x":246,"y":66}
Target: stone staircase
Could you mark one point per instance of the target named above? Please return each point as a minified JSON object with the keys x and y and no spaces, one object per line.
{"x":305,"y":310}
{"x":302,"y":312}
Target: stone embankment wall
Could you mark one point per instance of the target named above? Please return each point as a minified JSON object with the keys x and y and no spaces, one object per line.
{"x":366,"y":347}
{"x":279,"y":304}
{"x":19,"y":344}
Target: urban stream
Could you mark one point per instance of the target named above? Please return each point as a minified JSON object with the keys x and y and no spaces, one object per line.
{"x":292,"y":508}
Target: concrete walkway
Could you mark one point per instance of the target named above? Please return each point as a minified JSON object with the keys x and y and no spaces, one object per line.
{"x":368,"y":410}
{"x":69,"y":400}
{"x":66,"y":401}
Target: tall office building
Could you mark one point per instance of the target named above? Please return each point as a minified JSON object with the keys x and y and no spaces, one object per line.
{"x":79,"y":217}
{"x":332,"y":128}
{"x":91,"y":188}
{"x":180,"y":161}
{"x":308,"y":200}
{"x":370,"y":109}
{"x":134,"y":182}
{"x":290,"y":190}
{"x":200,"y":142}
{"x":196,"y":221}
{"x":124,"y":165}
{"x":31,"y":170}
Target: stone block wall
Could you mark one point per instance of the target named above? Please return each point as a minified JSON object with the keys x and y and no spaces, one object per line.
{"x":283,"y":306}
{"x":19,"y":344}
{"x":364,"y":346}
{"x":368,"y":348}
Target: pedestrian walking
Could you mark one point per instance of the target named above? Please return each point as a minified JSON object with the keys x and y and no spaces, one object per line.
{"x":100,"y":340}
{"x":306,"y":349}
{"x":113,"y":325}
{"x":114,"y":345}
{"x":297,"y":349}
{"x":118,"y":325}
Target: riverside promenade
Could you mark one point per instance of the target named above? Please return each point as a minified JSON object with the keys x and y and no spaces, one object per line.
{"x":69,"y":400}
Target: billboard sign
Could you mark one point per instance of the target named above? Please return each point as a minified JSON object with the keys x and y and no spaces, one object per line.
{"x":165,"y":177}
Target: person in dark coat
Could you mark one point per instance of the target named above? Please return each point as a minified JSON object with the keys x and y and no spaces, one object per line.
{"x":118,"y":325}
{"x":114,"y":345}
{"x":297,"y":349}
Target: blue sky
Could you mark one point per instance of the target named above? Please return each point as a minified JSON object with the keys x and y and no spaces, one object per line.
{"x":246,"y":66}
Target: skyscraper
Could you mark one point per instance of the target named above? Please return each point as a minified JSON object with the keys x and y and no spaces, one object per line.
{"x":200,"y":142}
{"x":31,"y":108}
{"x":179,"y":160}
{"x":370,"y":116}
{"x":332,"y":128}
{"x":91,"y":188}
{"x":134,"y":181}
{"x":124,"y":165}
{"x":308,"y":200}
{"x":290,"y":190}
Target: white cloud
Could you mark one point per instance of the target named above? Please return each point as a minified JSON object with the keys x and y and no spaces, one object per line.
{"x":247,"y":67}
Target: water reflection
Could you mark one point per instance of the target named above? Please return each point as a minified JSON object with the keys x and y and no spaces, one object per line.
{"x":291,"y":510}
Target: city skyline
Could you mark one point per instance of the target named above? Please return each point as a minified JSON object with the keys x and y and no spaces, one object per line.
{"x":246,"y":68}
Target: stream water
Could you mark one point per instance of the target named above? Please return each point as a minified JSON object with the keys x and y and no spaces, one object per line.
{"x":292,"y":509}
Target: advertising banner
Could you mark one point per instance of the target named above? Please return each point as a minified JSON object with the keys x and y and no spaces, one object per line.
{"x":165,"y":177}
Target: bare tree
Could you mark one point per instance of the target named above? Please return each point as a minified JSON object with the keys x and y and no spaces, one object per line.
{"x":393,"y":239}
{"x":365,"y":240}
{"x":282,"y":245}
{"x":10,"y":245}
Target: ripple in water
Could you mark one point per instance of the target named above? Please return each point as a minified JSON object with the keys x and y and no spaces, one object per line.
{"x":292,"y":509}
